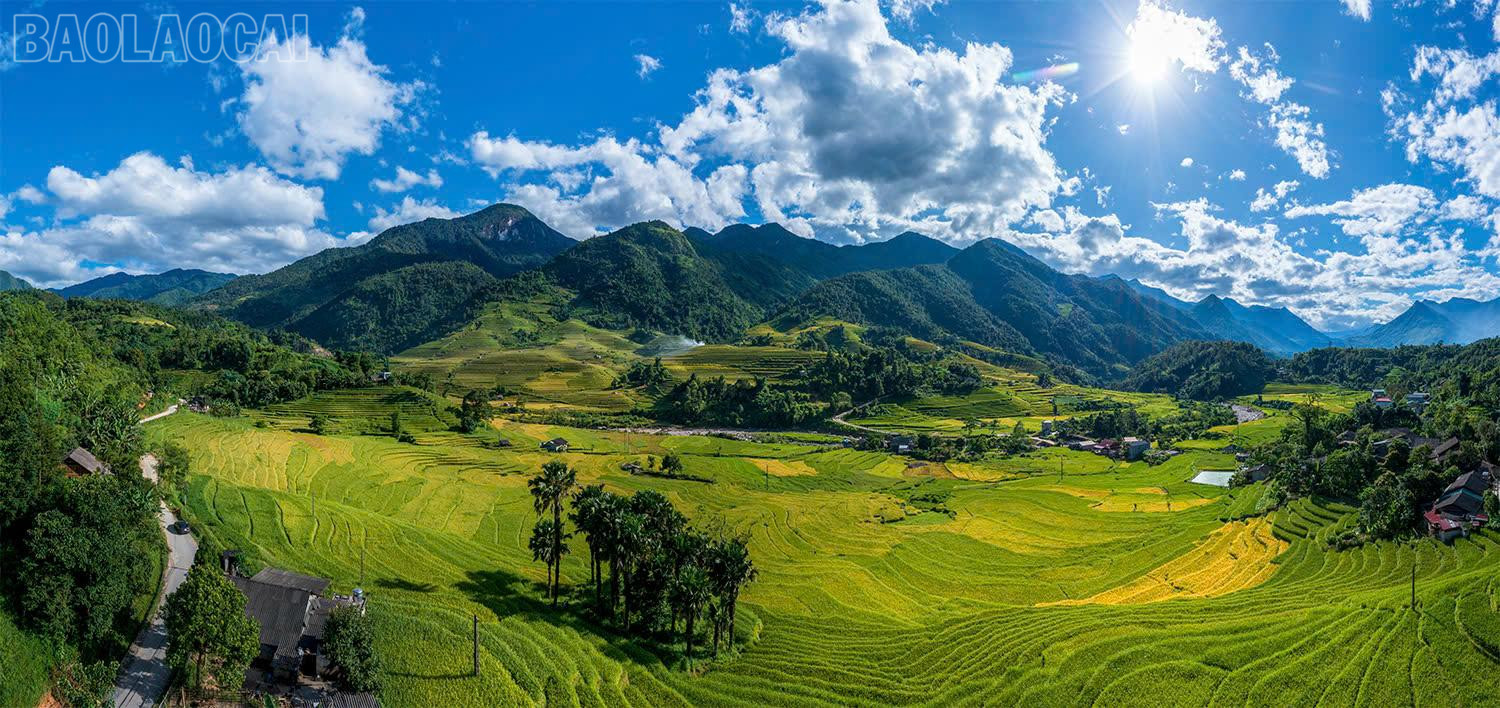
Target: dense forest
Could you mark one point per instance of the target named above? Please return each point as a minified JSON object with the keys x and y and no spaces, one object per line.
{"x":78,"y":554}
{"x":1205,"y":371}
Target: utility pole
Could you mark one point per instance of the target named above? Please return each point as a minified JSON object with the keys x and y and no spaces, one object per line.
{"x":476,"y":645}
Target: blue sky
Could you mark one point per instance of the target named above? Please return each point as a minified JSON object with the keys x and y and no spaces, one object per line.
{"x":1340,"y":158}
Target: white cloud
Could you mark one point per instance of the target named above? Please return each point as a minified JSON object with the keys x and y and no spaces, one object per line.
{"x":147,"y":215}
{"x":1186,"y":162}
{"x":740,"y":18}
{"x":1386,"y":210}
{"x":1257,"y":265}
{"x":408,"y":211}
{"x":307,"y":108}
{"x":853,"y":133}
{"x":1464,"y":207}
{"x":406,"y":179}
{"x":1296,"y":133}
{"x":30,"y":194}
{"x":1162,"y":36}
{"x":1123,"y":128}
{"x":1453,"y":128}
{"x":1237,"y":176}
{"x":645,"y":64}
{"x":1265,"y":201}
{"x":906,"y":10}
{"x":1358,"y":8}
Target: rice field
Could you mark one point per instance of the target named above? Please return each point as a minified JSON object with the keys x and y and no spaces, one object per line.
{"x":1010,"y":397}
{"x":1099,"y":582}
{"x":551,"y":362}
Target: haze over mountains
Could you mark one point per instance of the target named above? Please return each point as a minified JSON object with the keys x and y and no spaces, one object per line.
{"x":416,"y":282}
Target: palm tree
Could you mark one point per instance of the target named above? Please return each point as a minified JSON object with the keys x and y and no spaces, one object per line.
{"x":547,"y":491}
{"x":730,"y":569}
{"x":630,"y":539}
{"x":690,"y":591}
{"x":589,"y":508}
{"x":546,"y":545}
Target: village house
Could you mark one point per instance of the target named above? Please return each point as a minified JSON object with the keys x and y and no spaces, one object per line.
{"x":1417,"y":402}
{"x":1134,"y":448}
{"x":555,"y":445}
{"x":900,"y":444}
{"x":380,"y":376}
{"x":292,"y":610}
{"x":1460,"y":506}
{"x":82,"y":463}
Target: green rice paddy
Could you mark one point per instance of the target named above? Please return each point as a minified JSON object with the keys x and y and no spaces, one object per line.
{"x":865,"y":596}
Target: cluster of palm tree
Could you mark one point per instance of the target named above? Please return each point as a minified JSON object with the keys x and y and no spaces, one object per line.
{"x":662,"y":573}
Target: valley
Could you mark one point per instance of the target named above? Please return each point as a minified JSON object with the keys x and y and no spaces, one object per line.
{"x":958,"y":476}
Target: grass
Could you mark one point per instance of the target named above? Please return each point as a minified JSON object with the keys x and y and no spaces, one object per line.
{"x":26,"y":662}
{"x":1010,"y":396}
{"x":879,"y":583}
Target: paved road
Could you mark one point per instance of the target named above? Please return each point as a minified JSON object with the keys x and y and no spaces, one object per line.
{"x":169,"y":411}
{"x":144,"y":673}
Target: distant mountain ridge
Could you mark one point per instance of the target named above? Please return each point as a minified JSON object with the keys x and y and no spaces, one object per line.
{"x":11,"y":282}
{"x":996,"y":294}
{"x":1274,"y":329}
{"x":820,"y":259}
{"x":1456,"y":321}
{"x":173,"y":287}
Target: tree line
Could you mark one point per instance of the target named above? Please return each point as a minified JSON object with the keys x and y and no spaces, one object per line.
{"x":662,"y":573}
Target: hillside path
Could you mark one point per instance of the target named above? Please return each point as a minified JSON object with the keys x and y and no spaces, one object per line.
{"x":144,"y":672}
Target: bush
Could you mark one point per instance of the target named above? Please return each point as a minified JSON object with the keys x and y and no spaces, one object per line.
{"x":350,"y":642}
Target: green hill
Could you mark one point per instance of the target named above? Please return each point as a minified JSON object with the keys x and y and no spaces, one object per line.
{"x":995,"y":294}
{"x":649,"y":275}
{"x":11,"y":282}
{"x":1203,"y":371}
{"x":173,"y":287}
{"x":324,"y":292}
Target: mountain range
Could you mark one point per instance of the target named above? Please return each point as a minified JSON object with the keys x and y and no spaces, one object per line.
{"x":173,"y":287}
{"x":416,"y":282}
{"x":11,"y":282}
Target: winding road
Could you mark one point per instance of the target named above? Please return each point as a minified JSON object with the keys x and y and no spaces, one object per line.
{"x":144,"y":672}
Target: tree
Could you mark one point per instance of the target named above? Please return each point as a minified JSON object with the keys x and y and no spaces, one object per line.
{"x":690,"y":591}
{"x":474,"y":411}
{"x":547,"y":545}
{"x":396,"y":429}
{"x":208,"y":632}
{"x":1492,"y":507}
{"x":671,"y":464}
{"x":349,"y":640}
{"x":730,"y":570}
{"x":318,"y":424}
{"x":173,"y":464}
{"x":589,"y":508}
{"x":1386,"y":508}
{"x":548,"y":490}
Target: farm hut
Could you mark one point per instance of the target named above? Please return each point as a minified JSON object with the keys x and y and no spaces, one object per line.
{"x":900,"y":444}
{"x":1444,"y":450}
{"x":82,"y":463}
{"x":1442,"y":527}
{"x":555,"y":445}
{"x":292,"y":610}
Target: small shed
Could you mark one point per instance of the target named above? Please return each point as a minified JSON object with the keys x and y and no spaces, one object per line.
{"x":82,"y":463}
{"x":555,"y":445}
{"x":900,"y":444}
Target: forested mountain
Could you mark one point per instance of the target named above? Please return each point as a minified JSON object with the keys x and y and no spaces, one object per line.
{"x":1203,"y":371}
{"x":335,"y":293}
{"x":11,"y":282}
{"x":650,"y":275}
{"x":824,"y":260}
{"x":1457,"y":321}
{"x":1274,"y":329}
{"x":1155,"y":293}
{"x":173,"y":287}
{"x":995,"y":294}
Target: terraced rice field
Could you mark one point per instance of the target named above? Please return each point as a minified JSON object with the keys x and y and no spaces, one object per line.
{"x":550,"y":362}
{"x":1012,"y":396}
{"x":863,"y":597}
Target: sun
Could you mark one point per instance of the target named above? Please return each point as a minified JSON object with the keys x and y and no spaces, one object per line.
{"x":1147,"y":59}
